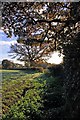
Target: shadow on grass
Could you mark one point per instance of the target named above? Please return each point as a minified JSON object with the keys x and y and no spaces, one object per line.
{"x":54,"y":100}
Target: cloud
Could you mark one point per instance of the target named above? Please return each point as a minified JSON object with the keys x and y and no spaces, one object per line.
{"x":1,"y":31}
{"x":7,"y":42}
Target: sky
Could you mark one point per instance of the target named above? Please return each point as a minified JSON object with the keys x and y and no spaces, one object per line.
{"x":5,"y":44}
{"x":55,"y":58}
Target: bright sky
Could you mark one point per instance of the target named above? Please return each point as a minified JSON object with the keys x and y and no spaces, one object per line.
{"x":5,"y":48}
{"x":56,"y":59}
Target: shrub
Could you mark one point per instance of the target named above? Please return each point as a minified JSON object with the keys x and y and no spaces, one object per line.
{"x":54,"y":100}
{"x":39,"y":69}
{"x":56,"y":70}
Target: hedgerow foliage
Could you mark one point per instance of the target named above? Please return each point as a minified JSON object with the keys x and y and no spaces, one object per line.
{"x":72,"y":81}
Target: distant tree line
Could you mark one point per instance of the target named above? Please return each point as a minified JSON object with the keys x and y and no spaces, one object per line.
{"x":7,"y":64}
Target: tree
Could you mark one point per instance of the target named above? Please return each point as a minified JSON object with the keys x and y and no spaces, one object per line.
{"x":37,"y":22}
{"x":72,"y":81}
{"x":6,"y":64}
{"x":72,"y":65}
{"x":57,"y":24}
{"x":29,"y":53}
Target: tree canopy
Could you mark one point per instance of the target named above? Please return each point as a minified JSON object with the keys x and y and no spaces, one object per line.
{"x":52,"y":24}
{"x":6,"y":64}
{"x":39,"y":21}
{"x":29,"y":53}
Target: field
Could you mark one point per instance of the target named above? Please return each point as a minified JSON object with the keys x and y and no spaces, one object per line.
{"x":14,"y":81}
{"x":29,"y":88}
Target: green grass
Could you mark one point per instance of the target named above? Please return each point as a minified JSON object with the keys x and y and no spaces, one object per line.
{"x":44,"y":90}
{"x":3,"y":70}
{"x":14,"y":81}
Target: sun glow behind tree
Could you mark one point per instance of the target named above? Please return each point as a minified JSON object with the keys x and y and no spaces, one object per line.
{"x":56,"y":58}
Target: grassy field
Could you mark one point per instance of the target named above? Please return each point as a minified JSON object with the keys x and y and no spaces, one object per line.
{"x":13,"y":84}
{"x":21,"y":88}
